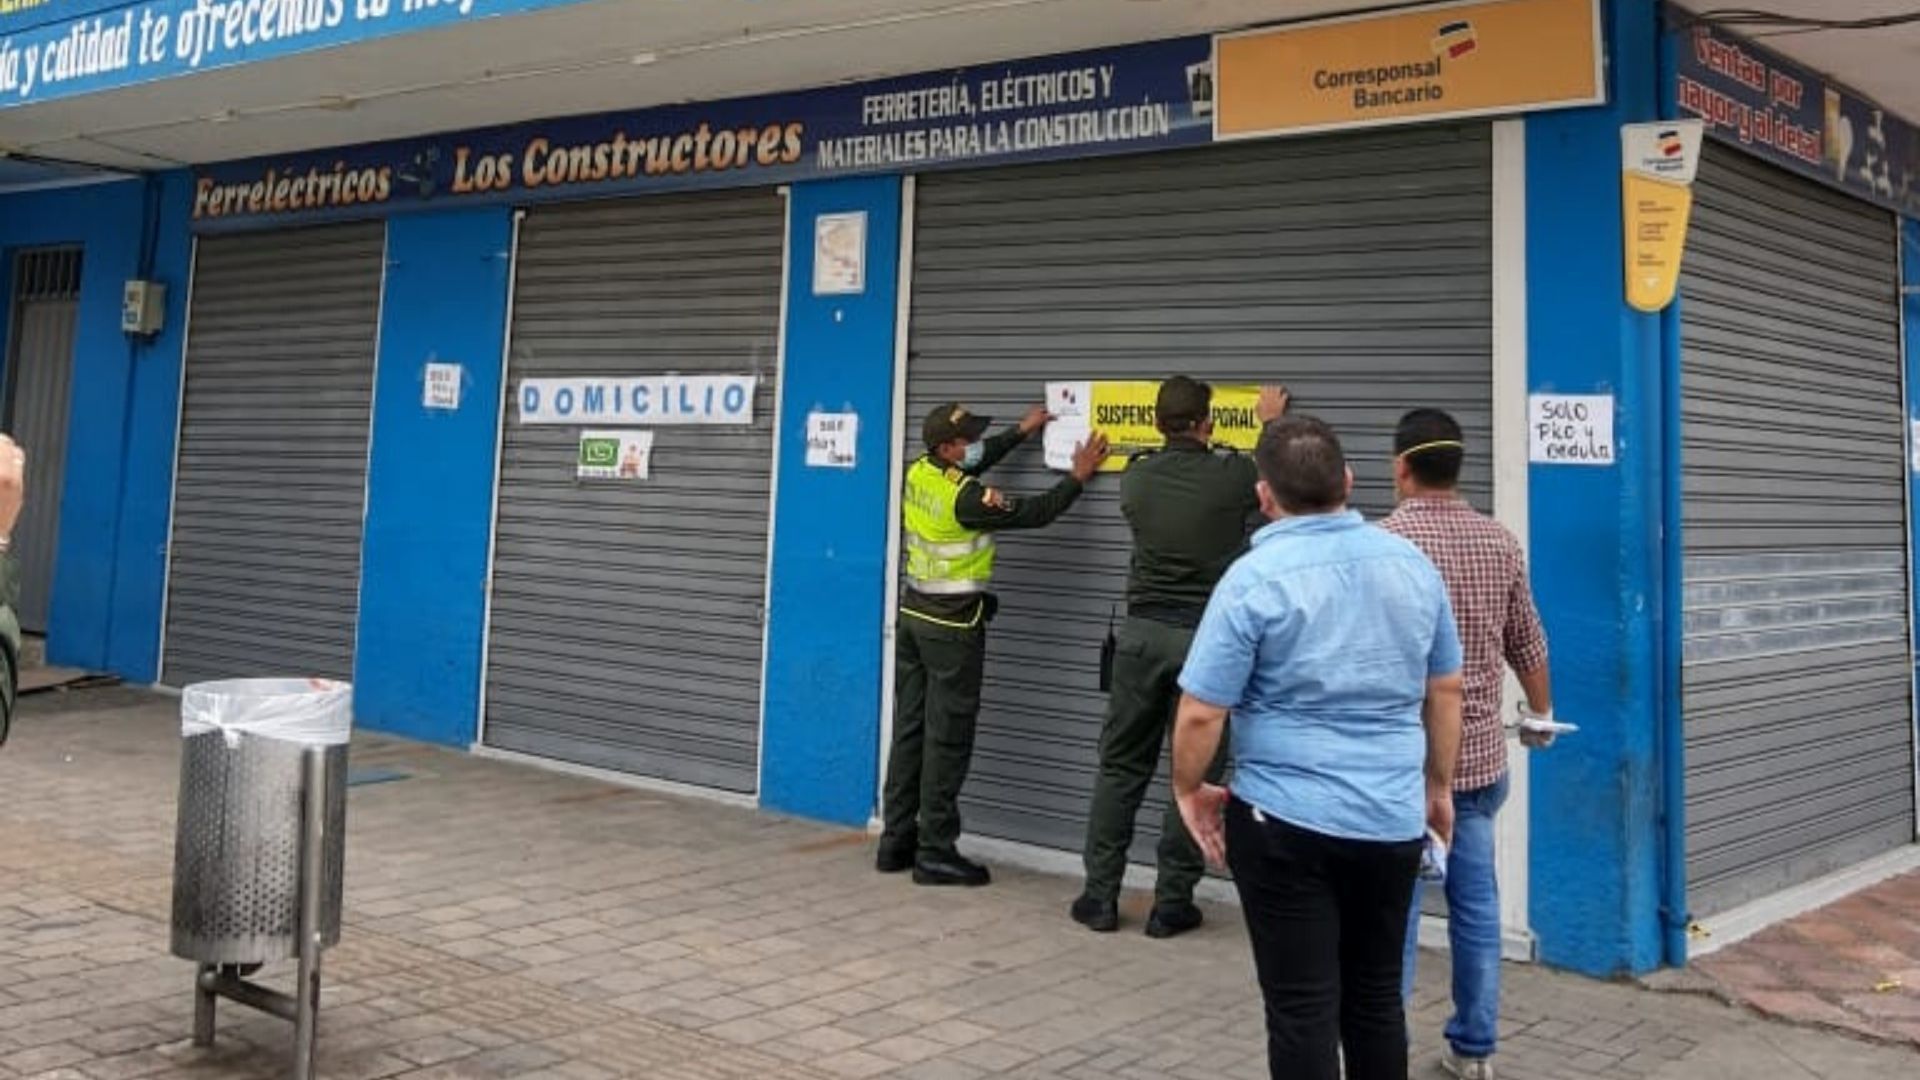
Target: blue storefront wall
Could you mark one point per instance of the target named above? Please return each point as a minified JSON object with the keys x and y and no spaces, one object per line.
{"x":1595,"y":855}
{"x":1595,"y":814}
{"x":429,"y":516}
{"x":117,"y":486}
{"x":821,"y":744}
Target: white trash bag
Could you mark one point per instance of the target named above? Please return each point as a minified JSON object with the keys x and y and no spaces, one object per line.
{"x":311,"y":712}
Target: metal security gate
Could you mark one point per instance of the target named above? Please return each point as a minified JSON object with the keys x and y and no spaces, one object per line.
{"x":627,"y":617}
{"x":270,"y":485}
{"x":1357,"y":270}
{"x":46,"y":305}
{"x":1796,"y":679}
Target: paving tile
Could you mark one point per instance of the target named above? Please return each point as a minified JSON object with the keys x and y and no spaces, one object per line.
{"x":588,"y":932}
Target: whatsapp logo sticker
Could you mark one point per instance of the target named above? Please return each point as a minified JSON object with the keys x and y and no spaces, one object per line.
{"x":599,"y":453}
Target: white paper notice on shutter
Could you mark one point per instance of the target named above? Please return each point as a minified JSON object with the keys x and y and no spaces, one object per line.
{"x":1070,"y":404}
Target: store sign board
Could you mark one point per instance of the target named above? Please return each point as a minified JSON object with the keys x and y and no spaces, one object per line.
{"x":62,"y":48}
{"x":1430,"y":63}
{"x":18,"y":15}
{"x":1772,"y":108}
{"x":637,"y":399}
{"x":1121,"y":100}
{"x":1123,"y":411}
{"x":1658,"y":163}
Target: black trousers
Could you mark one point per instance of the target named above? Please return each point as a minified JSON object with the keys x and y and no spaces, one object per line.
{"x":1328,"y":922}
{"x":938,"y":671}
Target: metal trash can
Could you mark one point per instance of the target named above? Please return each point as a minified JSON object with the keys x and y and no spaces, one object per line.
{"x":236,"y":863}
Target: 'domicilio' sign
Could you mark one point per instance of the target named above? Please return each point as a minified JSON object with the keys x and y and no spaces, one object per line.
{"x":653,"y":400}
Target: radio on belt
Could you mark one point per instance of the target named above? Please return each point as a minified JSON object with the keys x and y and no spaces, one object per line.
{"x":143,"y":308}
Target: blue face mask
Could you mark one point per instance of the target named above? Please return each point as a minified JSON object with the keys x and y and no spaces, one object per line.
{"x":975,"y":453}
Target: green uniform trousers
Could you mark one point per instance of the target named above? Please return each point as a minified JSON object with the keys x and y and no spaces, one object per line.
{"x":1140,"y":708}
{"x":937,"y":674}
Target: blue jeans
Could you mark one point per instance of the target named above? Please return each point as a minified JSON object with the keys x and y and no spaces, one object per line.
{"x":1473,"y":924}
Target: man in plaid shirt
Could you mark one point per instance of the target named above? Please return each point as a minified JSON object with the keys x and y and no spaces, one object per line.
{"x":1486,"y":577}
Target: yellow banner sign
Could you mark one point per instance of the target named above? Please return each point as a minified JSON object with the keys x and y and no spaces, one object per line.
{"x":1656,"y":217}
{"x":1450,"y":60}
{"x":1658,"y":164}
{"x":1123,"y":411}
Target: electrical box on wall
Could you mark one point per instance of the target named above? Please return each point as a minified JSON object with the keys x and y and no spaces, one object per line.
{"x":143,"y":307}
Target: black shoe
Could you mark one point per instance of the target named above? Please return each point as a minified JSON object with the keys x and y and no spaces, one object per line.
{"x":952,"y":868}
{"x":1099,"y":916}
{"x":1172,"y":920}
{"x":896,"y":856}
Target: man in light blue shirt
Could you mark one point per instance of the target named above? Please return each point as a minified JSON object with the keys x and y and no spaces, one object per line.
{"x":1333,"y":645}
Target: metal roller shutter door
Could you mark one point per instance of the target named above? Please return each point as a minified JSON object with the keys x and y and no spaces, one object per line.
{"x":46,"y":309}
{"x":627,"y":618}
{"x":1356,"y":269}
{"x":1797,"y":679}
{"x":270,"y":485}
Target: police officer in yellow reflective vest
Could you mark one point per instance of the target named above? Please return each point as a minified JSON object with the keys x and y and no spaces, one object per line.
{"x":940,"y":646}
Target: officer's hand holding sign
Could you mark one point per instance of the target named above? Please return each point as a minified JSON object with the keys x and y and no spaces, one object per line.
{"x":1088,"y":456}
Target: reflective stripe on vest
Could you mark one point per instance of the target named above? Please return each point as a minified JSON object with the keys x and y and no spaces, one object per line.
{"x":944,"y":558}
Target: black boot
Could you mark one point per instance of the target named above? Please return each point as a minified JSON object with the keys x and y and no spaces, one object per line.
{"x":1097,"y":915}
{"x":950,"y":868}
{"x":896,"y":856}
{"x":1174,"y":919}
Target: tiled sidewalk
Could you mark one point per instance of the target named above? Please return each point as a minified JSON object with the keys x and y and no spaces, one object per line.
{"x":505,"y":921}
{"x":1853,"y":965}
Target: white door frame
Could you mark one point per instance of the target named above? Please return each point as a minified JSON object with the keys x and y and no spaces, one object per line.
{"x":499,"y":468}
{"x":173,"y":483}
{"x":773,"y":482}
{"x":1510,"y":494}
{"x":896,"y":476}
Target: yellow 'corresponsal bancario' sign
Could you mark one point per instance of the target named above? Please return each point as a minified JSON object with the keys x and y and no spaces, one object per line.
{"x":1449,"y":60}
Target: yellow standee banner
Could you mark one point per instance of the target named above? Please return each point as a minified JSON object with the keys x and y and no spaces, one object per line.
{"x":1656,"y":215}
{"x":1658,"y":164}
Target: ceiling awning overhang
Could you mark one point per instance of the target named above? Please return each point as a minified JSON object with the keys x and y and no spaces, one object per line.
{"x":570,"y":58}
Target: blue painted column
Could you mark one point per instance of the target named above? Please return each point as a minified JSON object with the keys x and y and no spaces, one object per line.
{"x":1596,"y":856}
{"x":152,"y":425}
{"x":430,"y":483}
{"x":821,"y":743}
{"x":124,"y":396}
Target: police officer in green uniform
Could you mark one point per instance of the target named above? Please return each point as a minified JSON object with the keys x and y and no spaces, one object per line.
{"x":1190,"y":510}
{"x":940,"y":647}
